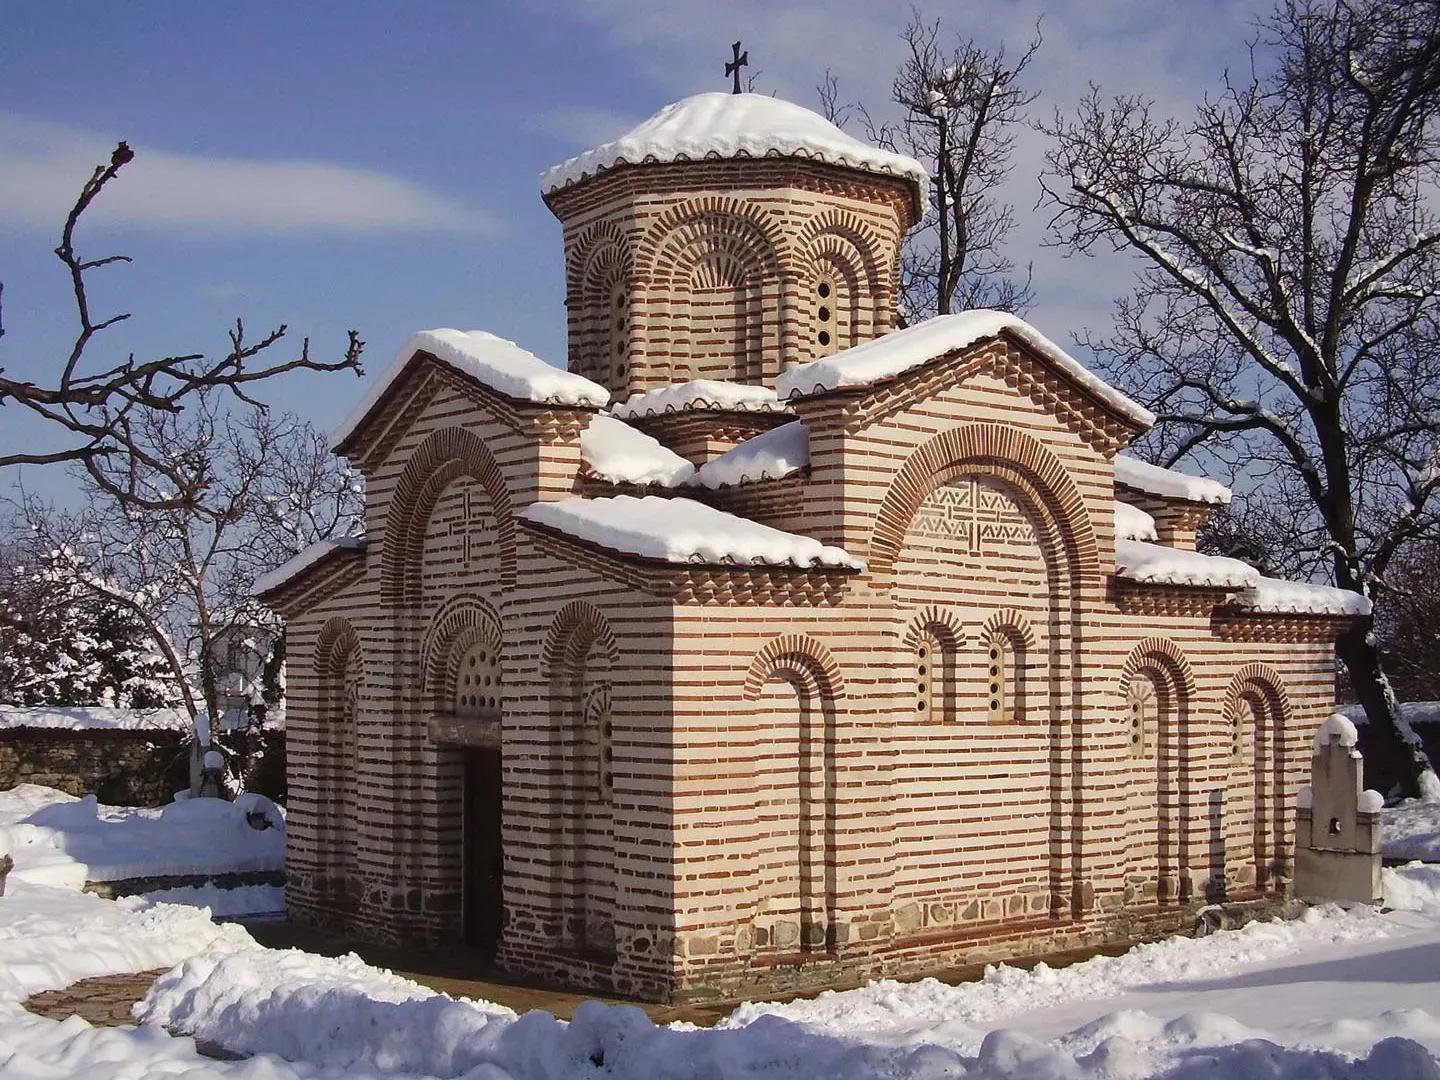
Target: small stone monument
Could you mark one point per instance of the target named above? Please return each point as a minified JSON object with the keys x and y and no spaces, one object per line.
{"x":1337,"y":829}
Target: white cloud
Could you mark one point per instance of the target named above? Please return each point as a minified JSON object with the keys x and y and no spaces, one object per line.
{"x":44,"y":164}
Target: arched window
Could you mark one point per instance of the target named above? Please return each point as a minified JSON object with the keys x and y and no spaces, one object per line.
{"x":1242,"y":721}
{"x":927,"y":652}
{"x":828,"y":304}
{"x":1004,"y":677}
{"x":619,"y":352}
{"x":1143,"y":710}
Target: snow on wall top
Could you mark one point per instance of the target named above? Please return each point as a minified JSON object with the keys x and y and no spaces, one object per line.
{"x":92,"y":718}
{"x":1336,"y":728}
{"x":1132,"y":523}
{"x":723,"y":125}
{"x":682,"y":531}
{"x":612,"y":450}
{"x":699,"y":394}
{"x":1411,"y":712}
{"x":293,"y":566}
{"x":491,"y":361}
{"x":1168,"y":483}
{"x":1275,"y":597}
{"x":767,"y":456}
{"x":893,"y":354}
{"x":1152,"y":564}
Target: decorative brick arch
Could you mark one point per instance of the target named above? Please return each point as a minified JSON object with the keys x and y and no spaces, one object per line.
{"x":790,"y":650}
{"x":987,"y":449}
{"x":576,"y":629}
{"x":462,"y":621}
{"x":441,"y":458}
{"x":1261,"y":686}
{"x":1264,"y":682}
{"x":334,"y":797}
{"x":657,"y":257}
{"x":600,"y":235}
{"x":1013,"y":624}
{"x":1160,"y":652}
{"x":930,"y":617}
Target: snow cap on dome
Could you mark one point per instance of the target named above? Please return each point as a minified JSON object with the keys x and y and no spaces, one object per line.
{"x":718,"y":125}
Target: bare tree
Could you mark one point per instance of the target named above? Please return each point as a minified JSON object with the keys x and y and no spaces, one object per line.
{"x":100,"y":405}
{"x":1285,"y":316}
{"x":221,"y":497}
{"x":960,"y":107}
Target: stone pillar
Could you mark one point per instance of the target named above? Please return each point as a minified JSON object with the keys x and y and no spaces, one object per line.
{"x":1337,"y":833}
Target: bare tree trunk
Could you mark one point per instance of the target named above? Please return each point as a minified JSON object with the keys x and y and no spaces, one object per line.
{"x":1394,"y":760}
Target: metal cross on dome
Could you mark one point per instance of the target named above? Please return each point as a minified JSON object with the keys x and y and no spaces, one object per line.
{"x":734,"y":66}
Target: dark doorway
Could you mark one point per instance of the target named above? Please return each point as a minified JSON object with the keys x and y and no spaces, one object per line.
{"x":484,"y":855}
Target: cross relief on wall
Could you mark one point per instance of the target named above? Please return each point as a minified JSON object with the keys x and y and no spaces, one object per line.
{"x":461,"y":527}
{"x":978,"y":518}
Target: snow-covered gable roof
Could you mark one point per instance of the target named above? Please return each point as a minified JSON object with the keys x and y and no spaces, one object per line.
{"x":1152,"y":564}
{"x":92,"y":718}
{"x":884,"y":358}
{"x":683,"y":531}
{"x":718,"y":125}
{"x":1132,"y":523}
{"x":298,"y":564}
{"x":1168,"y":483}
{"x":699,"y":394}
{"x":767,"y":456}
{"x":492,"y":362}
{"x":1271,"y":596}
{"x":612,"y":450}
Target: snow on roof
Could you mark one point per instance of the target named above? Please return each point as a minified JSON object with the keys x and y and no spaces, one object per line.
{"x":1132,"y":523}
{"x":1152,"y":564}
{"x":491,"y":361}
{"x":612,"y":450}
{"x":723,"y":125}
{"x":293,"y":566}
{"x":699,"y":394}
{"x":682,"y":531}
{"x":1168,"y":483}
{"x":92,"y":718}
{"x":1275,"y":597}
{"x":893,"y":354}
{"x":767,"y":456}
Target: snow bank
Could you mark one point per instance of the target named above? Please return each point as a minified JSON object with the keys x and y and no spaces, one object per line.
{"x":338,"y":1014}
{"x":893,"y":354}
{"x":1168,"y":483}
{"x":1132,"y":523}
{"x":733,"y":125}
{"x":50,"y":938}
{"x":59,"y":840}
{"x":612,"y":450}
{"x":296,"y":564}
{"x":699,"y":394}
{"x":491,"y":361}
{"x":92,"y":718}
{"x":767,"y":456}
{"x":682,"y":531}
{"x":1153,"y":564}
{"x":1275,"y":597}
{"x":1411,"y":830}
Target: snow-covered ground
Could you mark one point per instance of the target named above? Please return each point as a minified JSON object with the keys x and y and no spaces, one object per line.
{"x":1411,"y":830}
{"x":1337,"y":995}
{"x":57,"y":839}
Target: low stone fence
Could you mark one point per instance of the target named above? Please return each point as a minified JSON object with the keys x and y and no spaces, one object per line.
{"x":120,"y":767}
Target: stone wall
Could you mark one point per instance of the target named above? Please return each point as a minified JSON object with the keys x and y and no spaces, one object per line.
{"x":120,"y":768}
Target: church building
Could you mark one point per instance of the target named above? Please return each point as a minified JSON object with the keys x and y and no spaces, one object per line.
{"x":766,"y":645}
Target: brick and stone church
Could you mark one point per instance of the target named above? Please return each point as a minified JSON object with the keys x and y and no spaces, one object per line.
{"x":768,"y":645}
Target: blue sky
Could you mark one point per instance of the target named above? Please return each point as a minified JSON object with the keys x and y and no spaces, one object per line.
{"x":372,"y":164}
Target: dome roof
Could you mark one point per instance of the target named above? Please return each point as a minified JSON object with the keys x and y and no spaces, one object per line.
{"x":720,"y":125}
